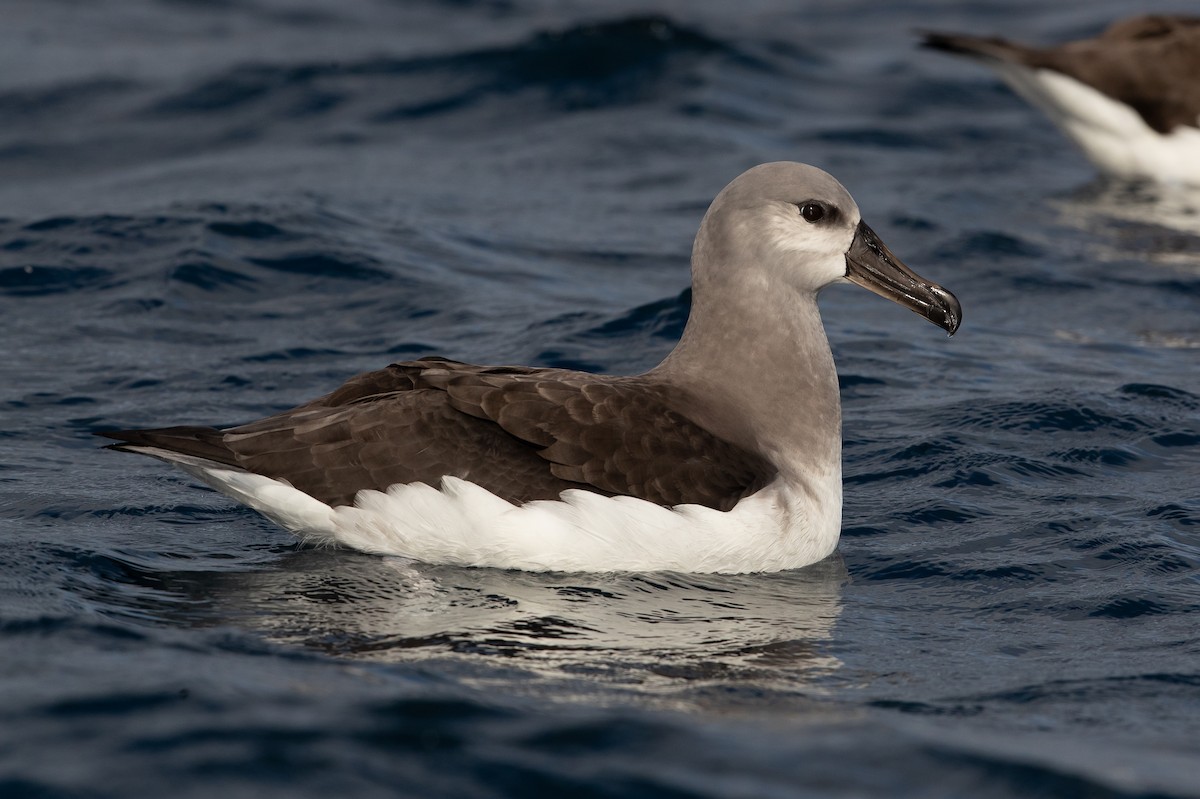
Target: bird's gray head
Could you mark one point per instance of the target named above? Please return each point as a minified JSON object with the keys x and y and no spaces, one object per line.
{"x":790,"y":224}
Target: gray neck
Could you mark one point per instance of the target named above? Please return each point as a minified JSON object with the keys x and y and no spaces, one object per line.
{"x":756,"y":367}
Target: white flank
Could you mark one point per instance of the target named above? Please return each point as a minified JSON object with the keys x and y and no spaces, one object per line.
{"x":463,"y":524}
{"x":1111,"y":134}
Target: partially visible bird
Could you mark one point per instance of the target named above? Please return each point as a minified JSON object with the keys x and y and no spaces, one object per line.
{"x":725,"y":457}
{"x":1129,"y":98}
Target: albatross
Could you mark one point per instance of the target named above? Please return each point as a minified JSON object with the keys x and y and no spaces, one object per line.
{"x":726,"y":457}
{"x":1129,"y":98}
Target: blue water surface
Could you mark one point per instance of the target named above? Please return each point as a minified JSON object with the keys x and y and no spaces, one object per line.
{"x":213,"y":211}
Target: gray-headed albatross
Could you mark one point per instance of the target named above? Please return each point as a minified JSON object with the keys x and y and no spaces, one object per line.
{"x":726,"y":457}
{"x":1129,"y":98}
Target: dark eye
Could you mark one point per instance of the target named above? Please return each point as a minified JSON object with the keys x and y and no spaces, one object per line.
{"x":812,"y":212}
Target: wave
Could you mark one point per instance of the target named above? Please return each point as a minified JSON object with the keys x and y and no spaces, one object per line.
{"x":588,"y":66}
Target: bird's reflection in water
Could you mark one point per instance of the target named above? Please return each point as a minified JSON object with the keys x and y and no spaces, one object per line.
{"x":682,"y":639}
{"x":1146,"y":237}
{"x":1155,"y":222}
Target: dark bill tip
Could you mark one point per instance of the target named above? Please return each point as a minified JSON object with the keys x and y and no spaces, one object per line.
{"x":870,"y":264}
{"x":948,"y":307}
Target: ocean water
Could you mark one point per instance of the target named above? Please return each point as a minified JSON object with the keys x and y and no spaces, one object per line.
{"x":210,"y":211}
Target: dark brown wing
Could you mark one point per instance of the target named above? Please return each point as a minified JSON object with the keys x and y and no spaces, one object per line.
{"x":1151,"y":63}
{"x":521,"y":433}
{"x":428,"y":372}
{"x":617,"y":435}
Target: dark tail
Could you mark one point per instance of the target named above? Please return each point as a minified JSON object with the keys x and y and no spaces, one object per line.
{"x":198,"y":442}
{"x":982,"y":47}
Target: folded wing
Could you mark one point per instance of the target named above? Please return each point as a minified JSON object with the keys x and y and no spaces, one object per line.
{"x":522,"y":433}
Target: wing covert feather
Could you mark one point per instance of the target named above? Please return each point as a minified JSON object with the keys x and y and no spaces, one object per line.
{"x":520,"y":432}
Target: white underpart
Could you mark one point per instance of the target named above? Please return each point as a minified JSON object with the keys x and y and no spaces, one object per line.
{"x":780,"y":527}
{"x":1111,"y":134}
